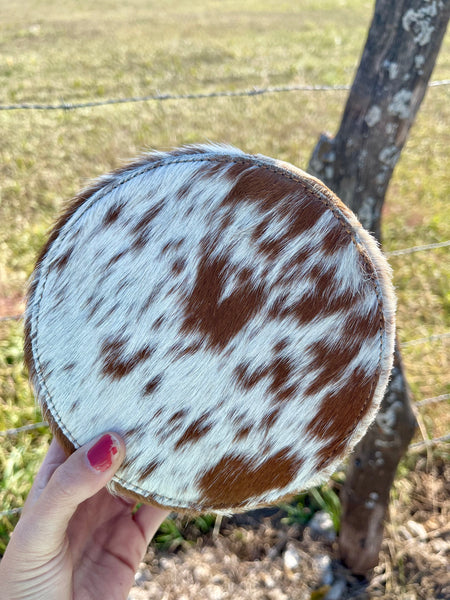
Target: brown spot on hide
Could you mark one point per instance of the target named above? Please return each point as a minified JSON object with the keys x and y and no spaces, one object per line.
{"x":94,"y":307}
{"x":128,"y":462}
{"x":285,"y":393}
{"x":296,"y":265}
{"x":279,"y":370}
{"x":235,"y":479}
{"x":339,"y":414}
{"x":189,"y":350}
{"x":116,"y":364}
{"x":158,"y":413}
{"x":174,"y":348}
{"x":242,"y":434}
{"x":152,"y":385}
{"x":254,"y":184}
{"x":112,"y":214}
{"x":269,"y":420}
{"x":172,"y":245}
{"x":61,"y":262}
{"x":363,"y":326}
{"x":164,"y":432}
{"x":272,"y":247}
{"x":332,"y":361}
{"x":323,"y":299}
{"x":281,"y":345}
{"x":184,"y":190}
{"x":219,"y":320}
{"x":209,"y":169}
{"x":138,"y":430}
{"x":277,"y":308}
{"x":69,"y":366}
{"x":112,"y":310}
{"x":148,"y":470}
{"x":236,"y":417}
{"x":225,"y":222}
{"x":178,"y":266}
{"x":158,"y":322}
{"x":194,"y":432}
{"x":271,"y":188}
{"x":260,"y":229}
{"x":248,"y":379}
{"x":336,"y":239}
{"x":306,"y":214}
{"x":166,"y":248}
{"x":180,"y":414}
{"x":115,"y":258}
{"x":140,"y":241}
{"x":142,"y":225}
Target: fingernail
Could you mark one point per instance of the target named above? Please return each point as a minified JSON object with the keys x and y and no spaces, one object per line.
{"x":101,"y":455}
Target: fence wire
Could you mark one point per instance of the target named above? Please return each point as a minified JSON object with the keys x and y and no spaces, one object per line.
{"x":426,"y":401}
{"x":417,"y":249}
{"x":190,"y":96}
{"x":431,"y":338}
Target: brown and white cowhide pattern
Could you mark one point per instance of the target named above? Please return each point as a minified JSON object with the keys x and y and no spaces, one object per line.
{"x":225,"y":313}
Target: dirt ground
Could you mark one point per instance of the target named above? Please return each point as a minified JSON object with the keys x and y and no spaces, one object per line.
{"x":259,"y":557}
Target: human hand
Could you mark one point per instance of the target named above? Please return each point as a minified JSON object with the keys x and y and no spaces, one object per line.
{"x":74,"y":540}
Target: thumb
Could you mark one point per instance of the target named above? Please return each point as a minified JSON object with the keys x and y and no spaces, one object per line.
{"x":81,"y":476}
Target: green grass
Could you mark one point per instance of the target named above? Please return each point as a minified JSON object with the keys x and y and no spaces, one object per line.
{"x":78,"y":50}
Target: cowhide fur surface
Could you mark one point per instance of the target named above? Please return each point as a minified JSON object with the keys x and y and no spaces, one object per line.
{"x":225,"y":313}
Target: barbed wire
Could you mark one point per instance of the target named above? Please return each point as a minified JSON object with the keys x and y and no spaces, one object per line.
{"x":429,"y":443}
{"x":10,"y":512}
{"x":190,"y":96}
{"x":30,"y":427}
{"x":426,"y":401}
{"x":11,"y":318}
{"x":424,"y":340}
{"x":417,"y":249}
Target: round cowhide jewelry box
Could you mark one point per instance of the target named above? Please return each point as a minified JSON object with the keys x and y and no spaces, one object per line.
{"x":225,"y":313}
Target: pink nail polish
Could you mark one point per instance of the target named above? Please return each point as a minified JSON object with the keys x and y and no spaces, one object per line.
{"x":100,"y":456}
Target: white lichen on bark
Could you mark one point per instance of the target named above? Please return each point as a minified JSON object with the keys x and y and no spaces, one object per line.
{"x":418,"y":22}
{"x":391,"y":128}
{"x":387,"y":420}
{"x":400,"y":105}
{"x":392,"y":68}
{"x":419,"y":61}
{"x":389,"y":156}
{"x":373,"y":115}
{"x":366,"y":211}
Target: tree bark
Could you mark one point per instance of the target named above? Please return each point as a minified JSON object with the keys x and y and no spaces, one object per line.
{"x":400,"y":52}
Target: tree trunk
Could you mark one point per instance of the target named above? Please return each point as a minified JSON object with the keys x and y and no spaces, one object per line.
{"x":401,"y":49}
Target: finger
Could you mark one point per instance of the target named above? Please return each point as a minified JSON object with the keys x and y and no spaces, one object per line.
{"x":54,"y":457}
{"x":149,"y":518}
{"x":81,"y":476}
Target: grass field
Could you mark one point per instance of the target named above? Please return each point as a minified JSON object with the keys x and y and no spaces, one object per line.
{"x":77,"y":50}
